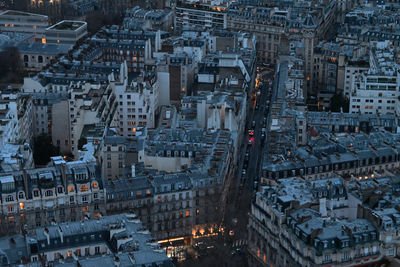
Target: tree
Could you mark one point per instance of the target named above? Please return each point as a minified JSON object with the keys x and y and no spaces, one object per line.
{"x":44,"y":149}
{"x":11,"y":68}
{"x":338,"y":101}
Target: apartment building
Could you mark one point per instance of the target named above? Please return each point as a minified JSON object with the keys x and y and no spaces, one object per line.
{"x":352,"y":70}
{"x":137,"y":103}
{"x":172,"y":206}
{"x":311,"y":223}
{"x":89,"y":242}
{"x":143,"y":19}
{"x":377,"y":89}
{"x":175,"y":73}
{"x":210,"y":14}
{"x":119,"y":154}
{"x":61,"y":192}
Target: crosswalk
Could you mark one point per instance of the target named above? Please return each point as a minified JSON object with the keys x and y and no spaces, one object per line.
{"x":239,"y":243}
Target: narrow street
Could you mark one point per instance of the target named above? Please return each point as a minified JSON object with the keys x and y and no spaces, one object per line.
{"x":230,"y":249}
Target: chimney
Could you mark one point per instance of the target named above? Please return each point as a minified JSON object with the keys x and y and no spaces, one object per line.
{"x":60,"y":231}
{"x":46,"y":233}
{"x":133,"y":171}
{"x":322,"y":207}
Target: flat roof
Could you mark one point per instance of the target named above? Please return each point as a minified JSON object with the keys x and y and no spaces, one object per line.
{"x":67,"y":25}
{"x":21,"y":13}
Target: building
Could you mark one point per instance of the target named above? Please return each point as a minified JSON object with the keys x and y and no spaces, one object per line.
{"x":175,"y":73}
{"x":210,"y":14}
{"x":376,"y":90}
{"x":65,"y":32}
{"x":311,"y":223}
{"x":58,"y":193}
{"x":24,"y":22}
{"x":142,"y":19}
{"x":36,"y":56}
{"x":137,"y":102}
{"x":111,"y":240}
{"x":118,"y":154}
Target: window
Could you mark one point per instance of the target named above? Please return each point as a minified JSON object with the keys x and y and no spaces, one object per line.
{"x":71,"y":188}
{"x":10,"y":208}
{"x":327,"y":257}
{"x":84,"y":188}
{"x":97,"y":250}
{"x":84,"y":199}
{"x":71,"y":199}
{"x":109,"y":165}
{"x":95,"y":185}
{"x":21,"y":206}
{"x":59,"y":190}
{"x":48,"y":193}
{"x":95,"y":195}
{"x":21,"y":195}
{"x":9,"y":198}
{"x":346,"y":256}
{"x":187,"y":214}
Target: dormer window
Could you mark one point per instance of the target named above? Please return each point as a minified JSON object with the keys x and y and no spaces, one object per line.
{"x":21,"y":195}
{"x":35,"y":193}
{"x":95,"y":185}
{"x":9,"y":198}
{"x":84,"y":188}
{"x":48,"y":193}
{"x":71,"y":188}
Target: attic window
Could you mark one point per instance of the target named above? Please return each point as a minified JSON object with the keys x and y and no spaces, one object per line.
{"x":71,"y":188}
{"x":95,"y":185}
{"x":84,"y":188}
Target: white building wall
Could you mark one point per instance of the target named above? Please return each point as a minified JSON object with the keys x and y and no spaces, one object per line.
{"x":164,"y":90}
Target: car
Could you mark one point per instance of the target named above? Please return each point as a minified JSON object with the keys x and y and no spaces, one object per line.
{"x":251,"y":141}
{"x":253,"y":123}
{"x":262,"y":135}
{"x":237,"y":251}
{"x":246,"y":156}
{"x":251,"y":132}
{"x":243,"y":171}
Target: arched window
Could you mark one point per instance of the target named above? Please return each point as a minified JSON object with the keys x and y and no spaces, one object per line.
{"x":71,"y":188}
{"x":48,"y":193}
{"x":40,"y":59}
{"x":21,"y":195}
{"x":9,"y":198}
